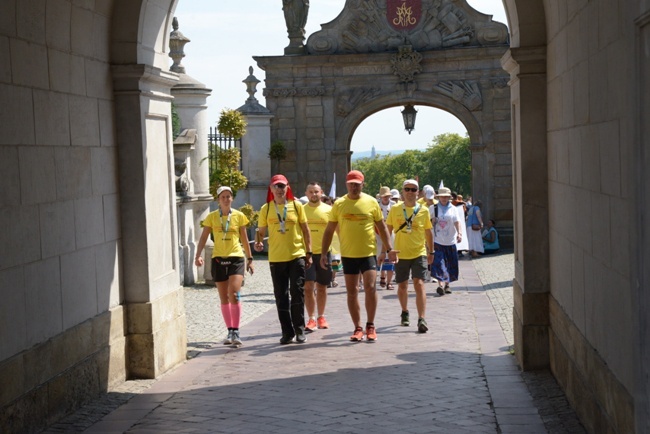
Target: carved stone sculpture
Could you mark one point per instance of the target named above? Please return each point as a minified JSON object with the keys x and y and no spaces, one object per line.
{"x":295,"y":17}
{"x":467,"y":93}
{"x":347,"y":101}
{"x":371,"y":26}
{"x":180,"y":171}
{"x":406,"y":63}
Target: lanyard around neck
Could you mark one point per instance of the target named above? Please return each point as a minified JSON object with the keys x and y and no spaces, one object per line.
{"x":224,"y":230}
{"x":415,"y":212}
{"x":284,"y":217}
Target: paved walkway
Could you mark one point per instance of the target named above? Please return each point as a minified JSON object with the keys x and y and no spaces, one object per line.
{"x":460,"y":377}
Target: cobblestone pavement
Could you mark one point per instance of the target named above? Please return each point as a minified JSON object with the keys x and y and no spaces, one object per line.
{"x":206,"y":331}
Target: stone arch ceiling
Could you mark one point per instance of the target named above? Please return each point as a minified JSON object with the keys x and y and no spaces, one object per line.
{"x":527,"y":22}
{"x":140,"y":31}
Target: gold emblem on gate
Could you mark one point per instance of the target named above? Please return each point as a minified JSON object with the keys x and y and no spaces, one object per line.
{"x":404,"y":17}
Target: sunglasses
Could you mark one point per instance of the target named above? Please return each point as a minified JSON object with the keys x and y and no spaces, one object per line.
{"x":279,"y":185}
{"x":412,"y":190}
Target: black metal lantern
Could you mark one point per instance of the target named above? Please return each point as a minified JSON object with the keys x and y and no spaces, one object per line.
{"x":408,"y":114}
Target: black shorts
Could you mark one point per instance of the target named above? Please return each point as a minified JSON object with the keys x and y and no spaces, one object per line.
{"x":318,"y":274}
{"x":416,"y":266}
{"x":223,"y":268}
{"x":359,"y":265}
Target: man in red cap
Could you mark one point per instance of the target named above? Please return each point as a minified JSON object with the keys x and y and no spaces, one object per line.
{"x":289,"y":255}
{"x":357,"y":215}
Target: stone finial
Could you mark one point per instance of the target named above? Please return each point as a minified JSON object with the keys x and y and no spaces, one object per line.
{"x":251,"y":85}
{"x":252,"y":105}
{"x":177,"y":43}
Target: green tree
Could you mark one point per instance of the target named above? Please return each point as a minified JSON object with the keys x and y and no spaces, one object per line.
{"x":450,"y":161}
{"x":231,"y":123}
{"x":226,"y":170}
{"x":447,"y":158}
{"x":176,"y":121}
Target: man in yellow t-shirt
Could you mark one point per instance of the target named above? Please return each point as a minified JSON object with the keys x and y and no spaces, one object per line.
{"x":317,"y":214}
{"x":289,"y":255}
{"x":357,"y":215}
{"x":414,"y":240}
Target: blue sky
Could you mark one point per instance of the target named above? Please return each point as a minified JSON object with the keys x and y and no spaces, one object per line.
{"x":226,"y":35}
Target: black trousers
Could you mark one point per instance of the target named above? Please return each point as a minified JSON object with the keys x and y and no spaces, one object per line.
{"x":289,"y":290}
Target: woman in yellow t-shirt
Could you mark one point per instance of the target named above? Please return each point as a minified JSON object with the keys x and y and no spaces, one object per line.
{"x":228,"y":227}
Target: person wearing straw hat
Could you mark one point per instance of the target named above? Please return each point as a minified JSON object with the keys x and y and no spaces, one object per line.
{"x":411,"y":224}
{"x":228,"y":227}
{"x":357,"y":215}
{"x":289,"y":255}
{"x":386,"y":267}
{"x":446,"y":234}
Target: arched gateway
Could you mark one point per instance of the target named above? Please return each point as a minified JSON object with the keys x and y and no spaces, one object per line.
{"x":380,"y":54}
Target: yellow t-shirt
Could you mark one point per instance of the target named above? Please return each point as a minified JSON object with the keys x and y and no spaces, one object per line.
{"x":356,"y":219}
{"x":317,"y":219}
{"x":228,"y":243}
{"x":410,"y":245}
{"x":287,"y":246}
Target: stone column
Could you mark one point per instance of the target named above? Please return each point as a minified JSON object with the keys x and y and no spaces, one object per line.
{"x":527,"y":68}
{"x":190,"y":99}
{"x":153,"y":298}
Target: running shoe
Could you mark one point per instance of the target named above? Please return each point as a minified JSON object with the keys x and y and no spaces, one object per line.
{"x":405,"y":319}
{"x":322,"y":323}
{"x":311,"y":325}
{"x":371,"y":333}
{"x":235,"y":338}
{"x":357,"y":335}
{"x":447,"y":289}
{"x":228,"y":340}
{"x":286,"y":339}
{"x":300,"y":337}
{"x":440,"y":291}
{"x":422,"y":326}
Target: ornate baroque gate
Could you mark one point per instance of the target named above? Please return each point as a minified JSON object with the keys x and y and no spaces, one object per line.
{"x":382,"y":53}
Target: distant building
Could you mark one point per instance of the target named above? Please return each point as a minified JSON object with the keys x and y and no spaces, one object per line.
{"x":372,"y":153}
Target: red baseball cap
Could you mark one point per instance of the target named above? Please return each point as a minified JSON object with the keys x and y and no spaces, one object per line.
{"x":279,"y":179}
{"x":354,"y":176}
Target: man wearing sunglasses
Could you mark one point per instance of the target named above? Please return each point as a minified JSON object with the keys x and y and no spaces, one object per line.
{"x":289,"y":255}
{"x":357,"y":215}
{"x":414,"y":241}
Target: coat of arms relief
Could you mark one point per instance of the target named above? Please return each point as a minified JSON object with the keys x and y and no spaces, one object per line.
{"x":374,"y":26}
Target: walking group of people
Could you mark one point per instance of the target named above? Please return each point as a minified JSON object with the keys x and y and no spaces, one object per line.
{"x":416,"y":235}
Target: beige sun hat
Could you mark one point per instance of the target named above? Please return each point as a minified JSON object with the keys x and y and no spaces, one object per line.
{"x":444,"y":191}
{"x":384,"y":191}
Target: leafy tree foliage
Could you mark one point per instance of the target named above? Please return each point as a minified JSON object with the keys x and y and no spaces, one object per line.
{"x":227,"y":170}
{"x":231,"y":123}
{"x":447,"y":158}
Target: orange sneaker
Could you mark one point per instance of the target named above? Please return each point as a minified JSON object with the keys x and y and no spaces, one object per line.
{"x":357,"y":335}
{"x":371,"y":333}
{"x":311,"y":325}
{"x":322,"y":323}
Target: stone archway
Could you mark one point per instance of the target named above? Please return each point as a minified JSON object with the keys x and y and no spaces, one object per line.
{"x":449,"y":60}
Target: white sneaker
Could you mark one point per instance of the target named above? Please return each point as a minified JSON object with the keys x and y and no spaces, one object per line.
{"x":235,"y":338}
